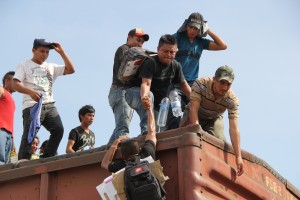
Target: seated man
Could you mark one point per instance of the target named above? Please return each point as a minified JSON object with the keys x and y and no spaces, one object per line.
{"x":81,"y":137}
{"x":130,"y":147}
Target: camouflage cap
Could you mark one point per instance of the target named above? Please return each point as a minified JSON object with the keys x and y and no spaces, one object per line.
{"x":225,"y":73}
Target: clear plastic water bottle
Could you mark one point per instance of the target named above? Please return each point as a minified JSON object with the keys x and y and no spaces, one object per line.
{"x":175,"y":103}
{"x":163,"y":112}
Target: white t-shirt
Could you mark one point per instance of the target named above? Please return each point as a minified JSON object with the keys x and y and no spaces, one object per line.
{"x":39,"y":78}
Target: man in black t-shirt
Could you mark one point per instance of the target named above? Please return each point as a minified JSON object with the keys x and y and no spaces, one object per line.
{"x":158,"y":75}
{"x":81,"y":137}
{"x":130,"y":147}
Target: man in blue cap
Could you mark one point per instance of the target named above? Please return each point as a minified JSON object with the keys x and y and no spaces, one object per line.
{"x":34,"y":78}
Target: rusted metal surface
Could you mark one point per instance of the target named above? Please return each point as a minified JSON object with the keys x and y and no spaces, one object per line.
{"x":199,"y":167}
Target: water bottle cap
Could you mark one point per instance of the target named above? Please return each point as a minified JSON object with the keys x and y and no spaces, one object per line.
{"x":173,"y":94}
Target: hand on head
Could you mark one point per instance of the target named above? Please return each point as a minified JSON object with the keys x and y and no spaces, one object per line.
{"x":57,"y":47}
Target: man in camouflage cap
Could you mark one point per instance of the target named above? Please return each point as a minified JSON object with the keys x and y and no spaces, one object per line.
{"x":209,"y":99}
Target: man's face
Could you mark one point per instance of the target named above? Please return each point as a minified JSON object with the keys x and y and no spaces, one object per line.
{"x":166,"y":53}
{"x":40,"y":54}
{"x":34,"y":145}
{"x":135,"y":41}
{"x":192,"y":32}
{"x":221,"y":87}
{"x":88,"y":118}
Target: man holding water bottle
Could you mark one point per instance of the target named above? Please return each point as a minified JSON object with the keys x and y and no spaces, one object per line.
{"x":159,"y":75}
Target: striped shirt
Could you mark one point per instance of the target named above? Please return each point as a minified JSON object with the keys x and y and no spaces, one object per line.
{"x":210,"y":107}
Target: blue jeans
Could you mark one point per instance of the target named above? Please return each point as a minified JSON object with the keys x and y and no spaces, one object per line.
{"x":133,"y":98}
{"x":50,"y":119}
{"x":5,"y":146}
{"x":122,"y":112}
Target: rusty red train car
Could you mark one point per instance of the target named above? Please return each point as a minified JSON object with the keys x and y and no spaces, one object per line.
{"x":198,"y":165}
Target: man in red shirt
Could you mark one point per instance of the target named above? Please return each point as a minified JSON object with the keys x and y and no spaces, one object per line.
{"x":7,"y":110}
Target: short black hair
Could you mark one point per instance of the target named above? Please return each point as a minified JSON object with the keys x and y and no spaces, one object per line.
{"x":167,"y":39}
{"x":129,"y":148}
{"x":10,"y":73}
{"x":85,"y":109}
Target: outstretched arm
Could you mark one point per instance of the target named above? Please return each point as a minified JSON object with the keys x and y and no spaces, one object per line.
{"x":145,"y":90}
{"x":151,"y":135}
{"x":235,"y":140}
{"x":109,"y":155}
{"x":69,"y":67}
{"x":194,"y":107}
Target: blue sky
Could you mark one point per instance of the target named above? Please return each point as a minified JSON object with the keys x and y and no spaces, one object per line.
{"x":263,"y":49}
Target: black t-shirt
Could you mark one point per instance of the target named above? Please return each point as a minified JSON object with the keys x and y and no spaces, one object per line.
{"x":148,"y":149}
{"x":81,"y":138}
{"x":163,"y":77}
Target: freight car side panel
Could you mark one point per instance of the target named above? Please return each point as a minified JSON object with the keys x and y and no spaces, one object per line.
{"x":198,"y":165}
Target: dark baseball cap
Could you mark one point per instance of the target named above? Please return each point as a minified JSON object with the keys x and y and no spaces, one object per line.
{"x":225,"y":73}
{"x":139,"y":32}
{"x":195,"y":20}
{"x":43,"y":43}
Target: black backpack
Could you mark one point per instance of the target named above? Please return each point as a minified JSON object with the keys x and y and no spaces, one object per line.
{"x":140,"y":183}
{"x":132,"y":59}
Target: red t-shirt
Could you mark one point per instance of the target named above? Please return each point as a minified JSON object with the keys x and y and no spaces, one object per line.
{"x":7,"y":110}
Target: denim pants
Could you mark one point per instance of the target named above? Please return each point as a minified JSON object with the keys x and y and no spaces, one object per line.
{"x":50,"y":119}
{"x":122,"y":112}
{"x":133,"y":98}
{"x":5,"y":146}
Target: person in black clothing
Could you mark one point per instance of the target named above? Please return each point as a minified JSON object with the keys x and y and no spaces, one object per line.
{"x":116,"y":98}
{"x":160,"y":74}
{"x":82,"y":137}
{"x":130,"y":147}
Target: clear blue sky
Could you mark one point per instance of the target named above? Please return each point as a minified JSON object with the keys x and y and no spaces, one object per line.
{"x":263,"y":48}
